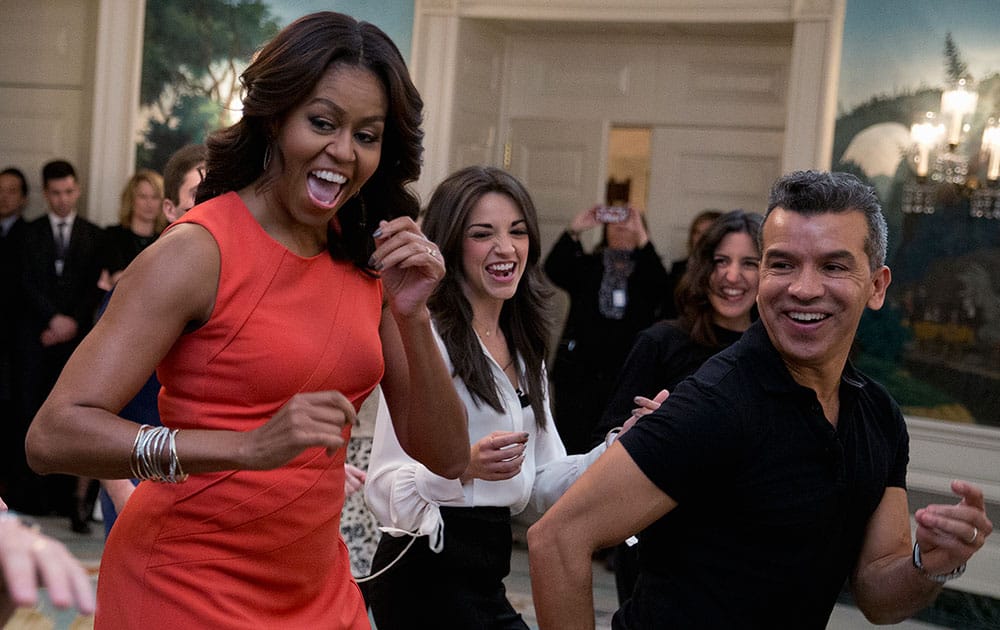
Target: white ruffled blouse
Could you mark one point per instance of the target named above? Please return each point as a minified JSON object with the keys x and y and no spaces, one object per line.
{"x":405,"y":496}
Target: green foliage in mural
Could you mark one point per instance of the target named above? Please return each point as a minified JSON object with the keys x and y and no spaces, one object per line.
{"x":955,"y":67}
{"x":193,"y":54}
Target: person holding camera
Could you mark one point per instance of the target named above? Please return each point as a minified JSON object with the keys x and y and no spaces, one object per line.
{"x":614,"y":292}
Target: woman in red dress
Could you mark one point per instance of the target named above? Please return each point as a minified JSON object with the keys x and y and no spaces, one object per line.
{"x":270,"y":311}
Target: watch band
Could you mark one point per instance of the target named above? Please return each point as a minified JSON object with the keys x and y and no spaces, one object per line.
{"x":941,"y":578}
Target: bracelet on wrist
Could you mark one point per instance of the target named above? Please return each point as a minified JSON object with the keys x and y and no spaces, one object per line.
{"x":940,"y":578}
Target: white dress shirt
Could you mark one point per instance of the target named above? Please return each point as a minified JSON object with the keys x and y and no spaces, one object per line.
{"x":55,"y":220}
{"x":404,"y":495}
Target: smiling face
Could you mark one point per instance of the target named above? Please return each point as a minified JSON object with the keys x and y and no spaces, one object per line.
{"x":330,"y":144}
{"x":494,"y":249}
{"x":732,"y":287}
{"x":815,"y":282}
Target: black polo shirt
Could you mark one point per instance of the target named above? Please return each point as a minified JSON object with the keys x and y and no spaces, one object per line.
{"x":773,"y":500}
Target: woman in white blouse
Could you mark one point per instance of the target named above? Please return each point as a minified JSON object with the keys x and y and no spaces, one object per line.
{"x":449,"y":542}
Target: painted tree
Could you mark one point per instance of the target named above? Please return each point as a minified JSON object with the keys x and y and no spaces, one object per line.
{"x":955,"y":67}
{"x":193,"y":55}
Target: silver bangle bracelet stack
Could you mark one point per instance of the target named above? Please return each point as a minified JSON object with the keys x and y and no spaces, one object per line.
{"x":154,"y":455}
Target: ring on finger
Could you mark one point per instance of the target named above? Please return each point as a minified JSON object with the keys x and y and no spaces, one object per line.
{"x":975,"y":535}
{"x":432,"y":252}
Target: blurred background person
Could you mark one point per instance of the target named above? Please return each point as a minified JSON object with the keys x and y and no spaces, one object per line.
{"x":13,"y":199}
{"x":696,"y":228}
{"x":181,"y":175}
{"x":614,"y":292}
{"x":61,"y":262}
{"x":716,"y":297}
{"x":141,"y":220}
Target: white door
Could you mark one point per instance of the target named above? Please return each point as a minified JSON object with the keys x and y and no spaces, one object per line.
{"x":562,"y":165}
{"x":693,"y":169}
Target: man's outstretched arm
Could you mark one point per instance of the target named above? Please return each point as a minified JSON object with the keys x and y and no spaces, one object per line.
{"x":886,"y":584}
{"x":611,"y":501}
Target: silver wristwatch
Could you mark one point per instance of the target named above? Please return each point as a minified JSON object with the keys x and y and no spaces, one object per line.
{"x":940,"y":579}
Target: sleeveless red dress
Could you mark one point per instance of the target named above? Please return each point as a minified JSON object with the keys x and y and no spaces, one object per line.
{"x":250,"y":549}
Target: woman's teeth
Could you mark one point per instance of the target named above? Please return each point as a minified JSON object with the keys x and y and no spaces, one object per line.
{"x":500,"y":269}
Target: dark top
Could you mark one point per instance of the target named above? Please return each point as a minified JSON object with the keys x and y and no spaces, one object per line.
{"x":10,"y":299}
{"x":123,"y":245}
{"x":593,"y":348}
{"x":773,"y":500}
{"x":663,"y":355}
{"x":669,"y":308}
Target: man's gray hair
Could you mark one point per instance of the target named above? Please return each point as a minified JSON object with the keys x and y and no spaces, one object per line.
{"x":817,"y":192}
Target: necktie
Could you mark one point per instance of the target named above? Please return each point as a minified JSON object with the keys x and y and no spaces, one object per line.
{"x":62,"y":243}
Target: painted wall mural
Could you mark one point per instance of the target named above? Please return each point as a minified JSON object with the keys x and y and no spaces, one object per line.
{"x":936,"y":343}
{"x":195,"y":51}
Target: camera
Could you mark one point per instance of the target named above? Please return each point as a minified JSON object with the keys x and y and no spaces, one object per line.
{"x":612,"y":214}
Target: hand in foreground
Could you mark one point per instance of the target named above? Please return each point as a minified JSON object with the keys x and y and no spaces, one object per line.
{"x":31,"y":559}
{"x":61,"y":328}
{"x":497,"y":456}
{"x":950,"y":534}
{"x":354,"y":479}
{"x":307,"y":420}
{"x":646,"y":406}
{"x":411,"y":266}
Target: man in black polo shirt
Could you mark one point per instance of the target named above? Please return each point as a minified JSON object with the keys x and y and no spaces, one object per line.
{"x":777,"y":471}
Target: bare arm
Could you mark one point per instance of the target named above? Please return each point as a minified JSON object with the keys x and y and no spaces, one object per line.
{"x":611,"y":501}
{"x":887,"y":586}
{"x":427,"y":414}
{"x":172,"y":283}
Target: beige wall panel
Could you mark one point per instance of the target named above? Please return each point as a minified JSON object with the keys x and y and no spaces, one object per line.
{"x":45,"y":42}
{"x":695,"y":169}
{"x":672,"y":82}
{"x":41,"y":125}
{"x":478,"y":96}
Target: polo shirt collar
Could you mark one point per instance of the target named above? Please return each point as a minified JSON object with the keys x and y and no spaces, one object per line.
{"x":771,"y":369}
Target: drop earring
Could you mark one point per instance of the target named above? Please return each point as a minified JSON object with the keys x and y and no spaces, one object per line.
{"x":267,"y":156}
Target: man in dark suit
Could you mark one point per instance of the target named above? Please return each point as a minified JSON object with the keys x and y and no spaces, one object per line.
{"x":61,"y":263}
{"x":13,"y":198}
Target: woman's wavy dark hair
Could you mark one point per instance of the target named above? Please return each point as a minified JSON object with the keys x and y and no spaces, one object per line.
{"x":525,"y":319}
{"x":696,"y":314}
{"x":280,"y":77}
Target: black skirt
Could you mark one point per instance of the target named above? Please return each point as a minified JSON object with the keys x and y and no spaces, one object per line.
{"x":461,"y":587}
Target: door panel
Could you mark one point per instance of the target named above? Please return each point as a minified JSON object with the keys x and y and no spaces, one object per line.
{"x":695,"y":169}
{"x":562,"y":165}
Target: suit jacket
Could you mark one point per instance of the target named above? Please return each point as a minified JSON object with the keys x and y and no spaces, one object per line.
{"x":75,"y":292}
{"x":10,"y":265}
{"x":10,"y":300}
